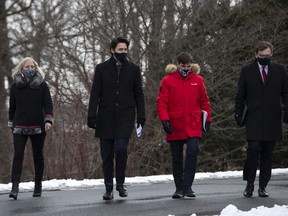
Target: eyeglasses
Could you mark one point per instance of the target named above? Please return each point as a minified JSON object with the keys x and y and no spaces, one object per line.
{"x":264,"y":56}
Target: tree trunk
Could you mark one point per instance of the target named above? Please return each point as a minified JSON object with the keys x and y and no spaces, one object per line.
{"x":5,"y":77}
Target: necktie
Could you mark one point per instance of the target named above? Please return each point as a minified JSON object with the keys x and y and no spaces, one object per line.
{"x":264,"y":75}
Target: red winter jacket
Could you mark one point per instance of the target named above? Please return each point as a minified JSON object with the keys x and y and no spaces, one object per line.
{"x":181,"y":101}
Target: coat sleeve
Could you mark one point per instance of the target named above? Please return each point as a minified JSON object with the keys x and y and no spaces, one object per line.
{"x":241,"y":94}
{"x":139,"y":96}
{"x":204,"y":101}
{"x":284,"y":93}
{"x":163,"y":100}
{"x":12,"y":103}
{"x":95,"y":93}
{"x":47,"y":104}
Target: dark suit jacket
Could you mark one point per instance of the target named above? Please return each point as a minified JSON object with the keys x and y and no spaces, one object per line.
{"x":115,"y":99}
{"x":263,"y":119}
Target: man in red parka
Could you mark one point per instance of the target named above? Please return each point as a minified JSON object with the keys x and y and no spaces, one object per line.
{"x":182,"y":98}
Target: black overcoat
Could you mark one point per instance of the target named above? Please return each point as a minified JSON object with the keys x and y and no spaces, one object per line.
{"x":30,"y":107}
{"x":115,"y":98}
{"x":263,"y":120}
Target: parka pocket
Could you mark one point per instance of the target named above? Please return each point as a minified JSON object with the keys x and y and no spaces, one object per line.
{"x":196,"y":120}
{"x":176,"y":120}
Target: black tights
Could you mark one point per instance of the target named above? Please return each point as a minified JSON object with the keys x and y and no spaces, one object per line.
{"x":38,"y":157}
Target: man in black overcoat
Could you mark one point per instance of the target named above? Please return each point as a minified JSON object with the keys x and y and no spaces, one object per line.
{"x":116,"y":99}
{"x":261,"y":87}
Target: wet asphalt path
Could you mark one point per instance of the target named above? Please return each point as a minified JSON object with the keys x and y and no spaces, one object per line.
{"x":143,"y":200}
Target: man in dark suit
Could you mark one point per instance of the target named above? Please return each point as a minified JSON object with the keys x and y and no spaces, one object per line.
{"x":261,"y":86}
{"x":115,"y":97}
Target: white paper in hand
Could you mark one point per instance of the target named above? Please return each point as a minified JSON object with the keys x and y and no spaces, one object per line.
{"x":138,"y":130}
{"x":204,"y":118}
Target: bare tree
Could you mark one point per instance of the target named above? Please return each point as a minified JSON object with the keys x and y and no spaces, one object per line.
{"x":69,"y":38}
{"x":7,"y":9}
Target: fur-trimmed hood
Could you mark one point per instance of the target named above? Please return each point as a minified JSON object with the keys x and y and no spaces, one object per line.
{"x":170,"y":68}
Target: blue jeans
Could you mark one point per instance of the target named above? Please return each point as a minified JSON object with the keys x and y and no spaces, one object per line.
{"x":184,"y":173}
{"x":109,"y":148}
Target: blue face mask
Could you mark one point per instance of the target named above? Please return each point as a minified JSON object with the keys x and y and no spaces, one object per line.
{"x":29,"y":72}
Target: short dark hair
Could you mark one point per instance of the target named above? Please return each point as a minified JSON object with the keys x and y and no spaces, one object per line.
{"x":184,"y":58}
{"x":117,"y":40}
{"x":262,"y":45}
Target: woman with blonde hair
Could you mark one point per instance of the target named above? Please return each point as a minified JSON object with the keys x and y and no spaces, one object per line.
{"x":30,"y":116}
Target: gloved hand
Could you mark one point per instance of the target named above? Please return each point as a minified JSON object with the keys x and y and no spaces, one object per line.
{"x":140,"y":121}
{"x":91,"y":122}
{"x":207,"y":126}
{"x":285,"y":118}
{"x":167,"y":127}
{"x":238,"y":119}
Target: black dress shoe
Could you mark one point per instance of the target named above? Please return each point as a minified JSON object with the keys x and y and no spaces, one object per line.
{"x":189,"y":193}
{"x":37,"y":189}
{"x":248,"y":192}
{"x":262,"y":192}
{"x":178,"y":194}
{"x":108,"y":195}
{"x":122,"y":190}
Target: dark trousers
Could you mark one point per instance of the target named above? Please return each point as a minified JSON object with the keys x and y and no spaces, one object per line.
{"x":109,"y":148}
{"x":37,"y":142}
{"x":184,"y":174}
{"x":259,"y":152}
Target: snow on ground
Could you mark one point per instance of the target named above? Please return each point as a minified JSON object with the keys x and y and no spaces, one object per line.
{"x":230,"y":210}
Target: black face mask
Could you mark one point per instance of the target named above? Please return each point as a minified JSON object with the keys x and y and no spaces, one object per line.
{"x":264,"y":61}
{"x":120,"y":56}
